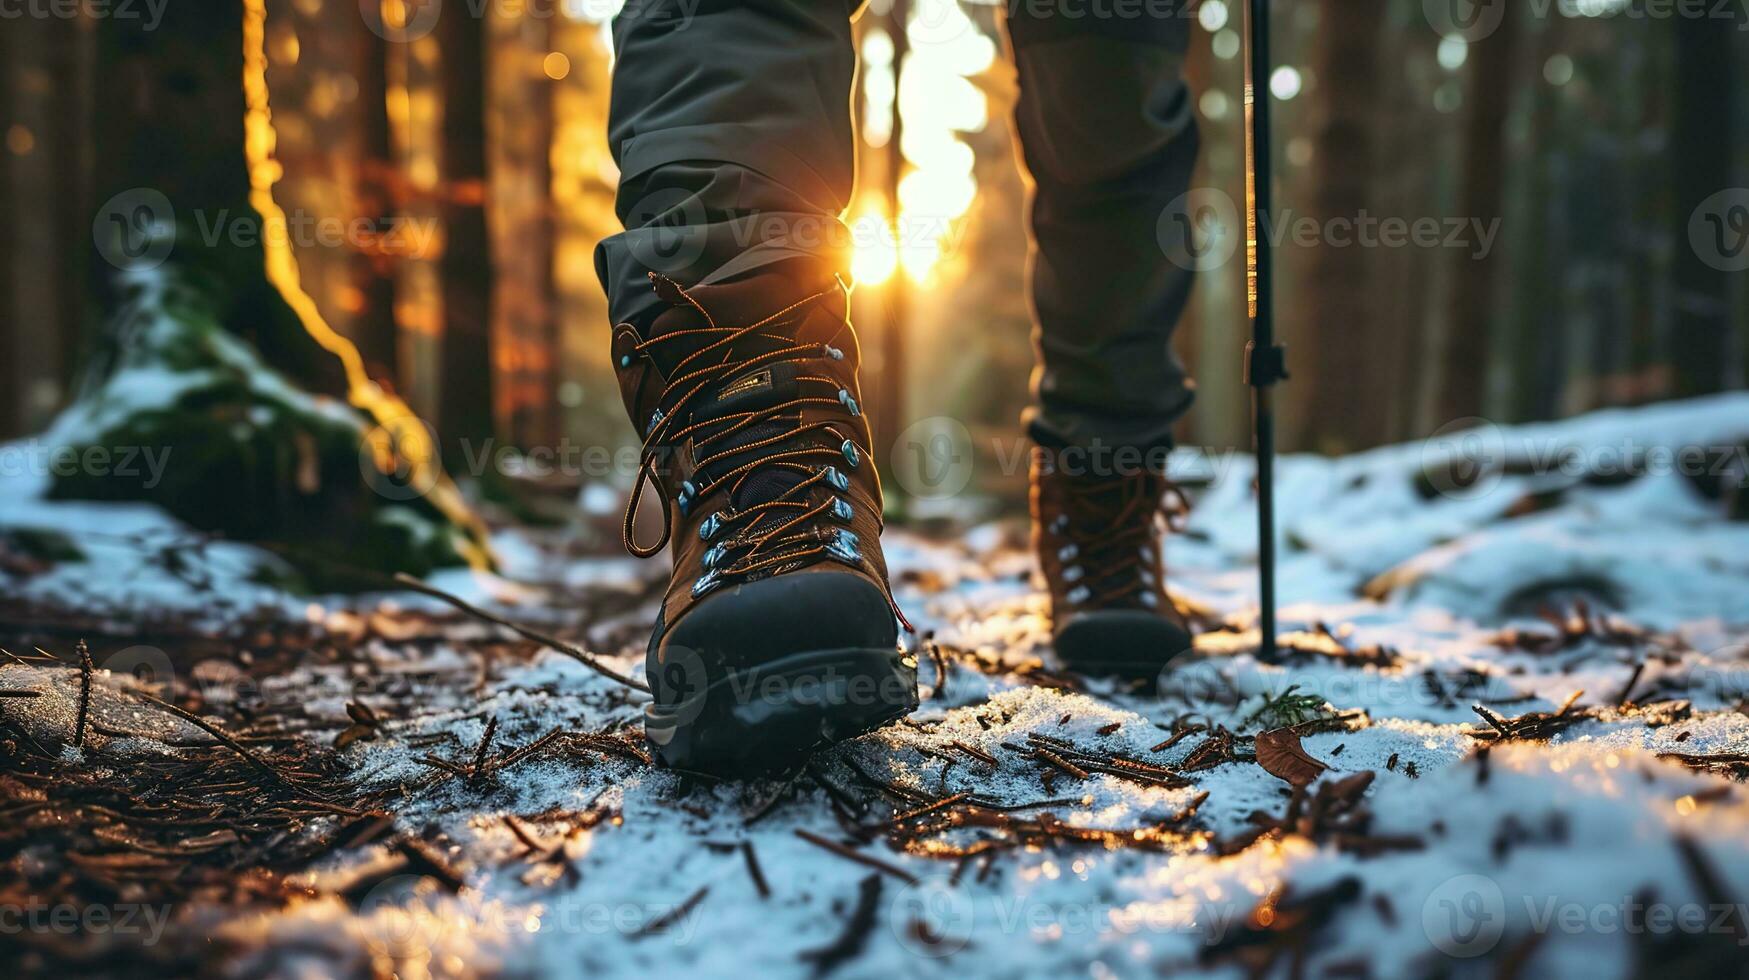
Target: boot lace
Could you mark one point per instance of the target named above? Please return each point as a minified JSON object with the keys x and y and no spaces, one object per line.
{"x":1114,"y":527}
{"x":772,"y":468}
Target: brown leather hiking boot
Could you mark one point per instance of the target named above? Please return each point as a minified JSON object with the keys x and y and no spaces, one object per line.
{"x":778,"y":632}
{"x":1098,"y":543}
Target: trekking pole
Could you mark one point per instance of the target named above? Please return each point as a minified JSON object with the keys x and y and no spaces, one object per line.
{"x":1265,"y":360}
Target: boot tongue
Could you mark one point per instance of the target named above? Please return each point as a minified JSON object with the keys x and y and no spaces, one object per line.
{"x":756,"y":389}
{"x":736,"y":303}
{"x":739,"y":303}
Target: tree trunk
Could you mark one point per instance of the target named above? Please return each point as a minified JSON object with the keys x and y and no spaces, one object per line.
{"x":465,"y":387}
{"x":1463,"y":383}
{"x":45,"y":162}
{"x":374,"y":328}
{"x":1702,"y":150}
{"x":520,"y":125}
{"x":1538,"y":368}
{"x":171,"y":123}
{"x":1343,"y":328}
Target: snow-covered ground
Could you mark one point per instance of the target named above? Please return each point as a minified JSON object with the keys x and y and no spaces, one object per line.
{"x":1411,"y":593}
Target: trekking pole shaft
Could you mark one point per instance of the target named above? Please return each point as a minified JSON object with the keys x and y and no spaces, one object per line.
{"x":1264,"y":361}
{"x":1257,"y":180}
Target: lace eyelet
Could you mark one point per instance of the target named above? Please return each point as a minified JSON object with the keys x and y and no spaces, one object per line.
{"x":714,"y":557}
{"x":1079,"y":594}
{"x":1068,"y":552}
{"x":655,"y":420}
{"x":848,"y":402}
{"x":841,"y":510}
{"x":852,"y":455}
{"x":705,"y":583}
{"x":846,"y":547}
{"x":1074,"y":573}
{"x":710,"y":527}
{"x":1150,"y":600}
{"x":834,"y":353}
{"x":684,"y":500}
{"x":625,"y":360}
{"x":836,"y":478}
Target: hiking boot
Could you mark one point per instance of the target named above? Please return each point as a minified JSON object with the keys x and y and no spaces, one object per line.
{"x":1098,"y":541}
{"x":778,"y":633}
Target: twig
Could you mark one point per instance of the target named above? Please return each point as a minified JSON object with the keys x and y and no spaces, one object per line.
{"x":860,"y":858}
{"x":857,"y":928}
{"x":783,"y":791}
{"x":408,"y":581}
{"x":1628,"y":688}
{"x":423,"y":860}
{"x":522,"y":835}
{"x":978,"y":754}
{"x":475,"y":771}
{"x":227,"y":741}
{"x":84,"y":694}
{"x":940,"y":804}
{"x":1047,"y":756}
{"x":753,"y":869}
{"x":673,"y":915}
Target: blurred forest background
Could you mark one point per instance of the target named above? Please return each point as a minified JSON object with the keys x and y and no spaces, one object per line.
{"x":1590,"y":130}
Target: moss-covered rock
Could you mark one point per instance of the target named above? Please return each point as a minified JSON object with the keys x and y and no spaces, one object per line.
{"x":177,"y":411}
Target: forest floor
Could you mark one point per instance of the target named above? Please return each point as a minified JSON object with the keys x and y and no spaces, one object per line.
{"x":1511,"y":699}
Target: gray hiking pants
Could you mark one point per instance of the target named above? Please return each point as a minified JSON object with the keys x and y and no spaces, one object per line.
{"x":731,"y":123}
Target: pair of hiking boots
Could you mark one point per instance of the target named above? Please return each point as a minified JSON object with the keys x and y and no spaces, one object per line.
{"x":779,"y":632}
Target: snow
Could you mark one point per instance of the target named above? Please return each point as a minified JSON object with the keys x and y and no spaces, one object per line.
{"x":1565,"y":840}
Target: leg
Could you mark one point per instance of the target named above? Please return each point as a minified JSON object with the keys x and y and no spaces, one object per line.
{"x":1108,"y":134}
{"x":731,"y":125}
{"x":732,"y":129}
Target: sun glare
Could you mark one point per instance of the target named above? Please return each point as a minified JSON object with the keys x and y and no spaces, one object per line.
{"x":937,"y":102}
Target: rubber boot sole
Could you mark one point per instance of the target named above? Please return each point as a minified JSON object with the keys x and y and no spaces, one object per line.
{"x":1132,"y":644}
{"x":771,"y":716}
{"x":759,"y":675}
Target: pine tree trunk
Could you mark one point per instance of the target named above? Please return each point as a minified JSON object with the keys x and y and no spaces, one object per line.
{"x":374,"y":328}
{"x":465,"y":386}
{"x":520,"y":127}
{"x":1702,"y":149}
{"x":1337,"y":298}
{"x":170,"y":121}
{"x":1463,"y":383}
